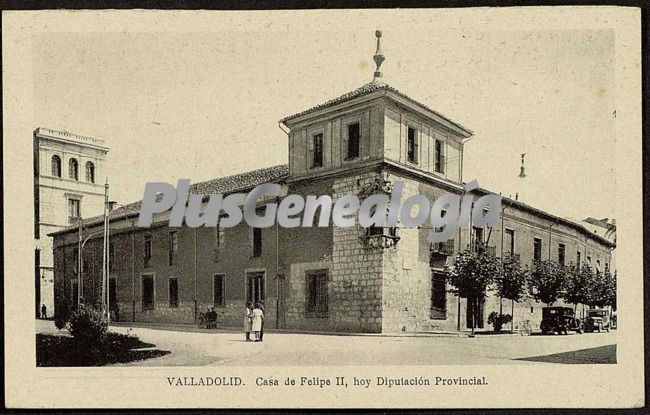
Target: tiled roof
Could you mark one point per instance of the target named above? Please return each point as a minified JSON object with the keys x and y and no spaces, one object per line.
{"x":223,"y":185}
{"x":367,"y":89}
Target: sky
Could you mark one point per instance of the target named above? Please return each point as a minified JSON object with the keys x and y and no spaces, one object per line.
{"x":206,"y":103}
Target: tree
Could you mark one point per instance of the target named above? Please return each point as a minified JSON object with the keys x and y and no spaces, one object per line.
{"x":577,"y":285}
{"x":473,"y":272}
{"x":611,"y":289}
{"x":512,"y":282}
{"x":547,"y":281}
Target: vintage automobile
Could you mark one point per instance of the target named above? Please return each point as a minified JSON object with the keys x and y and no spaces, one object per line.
{"x":598,"y":319}
{"x":560,"y":320}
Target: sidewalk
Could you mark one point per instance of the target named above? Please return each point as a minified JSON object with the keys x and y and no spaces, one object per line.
{"x":190,"y":328}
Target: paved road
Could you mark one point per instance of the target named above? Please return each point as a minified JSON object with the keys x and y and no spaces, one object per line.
{"x":229,"y":348}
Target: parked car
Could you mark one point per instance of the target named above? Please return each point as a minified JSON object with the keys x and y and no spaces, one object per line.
{"x":598,"y":319}
{"x":560,"y":320}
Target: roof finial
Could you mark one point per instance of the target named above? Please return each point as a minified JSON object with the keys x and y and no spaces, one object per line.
{"x":378,"y":58}
{"x":522,"y":172}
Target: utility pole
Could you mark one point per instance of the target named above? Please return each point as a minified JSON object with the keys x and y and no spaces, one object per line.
{"x":104,"y":244}
{"x":79,"y":267}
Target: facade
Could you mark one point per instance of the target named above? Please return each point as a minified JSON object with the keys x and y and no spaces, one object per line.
{"x":324,"y":278}
{"x":67,"y":168}
{"x":607,"y":229}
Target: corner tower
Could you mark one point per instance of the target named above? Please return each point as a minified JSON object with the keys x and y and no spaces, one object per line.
{"x":375,"y":123}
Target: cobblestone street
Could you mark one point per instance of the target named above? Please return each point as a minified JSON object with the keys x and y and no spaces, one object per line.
{"x":193,"y":347}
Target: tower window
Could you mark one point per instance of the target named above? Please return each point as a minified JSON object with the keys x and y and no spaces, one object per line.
{"x":354,"y":136}
{"x":412,"y":155}
{"x":439,"y":157}
{"x":56,"y":166}
{"x":317,"y":151}
{"x":74,"y":210}
{"x":90,"y":172}
{"x":73,"y":169}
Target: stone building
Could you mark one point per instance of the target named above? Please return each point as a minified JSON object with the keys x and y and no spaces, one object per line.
{"x":66,"y":187}
{"x":325,"y":278}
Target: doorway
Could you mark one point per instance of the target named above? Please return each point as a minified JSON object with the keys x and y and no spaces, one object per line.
{"x":469,"y":313}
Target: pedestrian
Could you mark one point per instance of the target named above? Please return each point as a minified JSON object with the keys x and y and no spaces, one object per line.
{"x":258,"y":317}
{"x":261,"y":307}
{"x":248,"y":319}
{"x":43,"y":311}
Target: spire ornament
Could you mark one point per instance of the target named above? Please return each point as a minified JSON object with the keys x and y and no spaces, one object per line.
{"x":378,"y":58}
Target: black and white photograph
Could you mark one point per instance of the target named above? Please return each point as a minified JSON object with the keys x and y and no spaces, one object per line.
{"x":320,"y":207}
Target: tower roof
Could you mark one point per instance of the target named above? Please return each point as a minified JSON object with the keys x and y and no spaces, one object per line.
{"x":388,"y":90}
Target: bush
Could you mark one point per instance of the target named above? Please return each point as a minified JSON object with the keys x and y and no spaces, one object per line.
{"x":88,"y":327}
{"x":62,"y":316}
{"x":498,"y":320}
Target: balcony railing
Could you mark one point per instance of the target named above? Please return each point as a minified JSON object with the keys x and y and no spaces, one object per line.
{"x":73,"y":219}
{"x":443,"y":248}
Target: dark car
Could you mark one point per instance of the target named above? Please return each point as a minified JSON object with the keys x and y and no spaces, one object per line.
{"x":598,"y":319}
{"x":560,"y":320}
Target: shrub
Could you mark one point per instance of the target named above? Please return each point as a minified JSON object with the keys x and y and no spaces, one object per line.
{"x":498,"y":320}
{"x":62,"y":316}
{"x":88,"y":327}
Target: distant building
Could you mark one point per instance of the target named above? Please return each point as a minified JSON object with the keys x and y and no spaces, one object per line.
{"x":329,"y":278}
{"x":67,"y":186}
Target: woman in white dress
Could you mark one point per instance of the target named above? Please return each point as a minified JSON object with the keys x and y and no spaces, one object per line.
{"x":258,"y":316}
{"x":248,"y":319}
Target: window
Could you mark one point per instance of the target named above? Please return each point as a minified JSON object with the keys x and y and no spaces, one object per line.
{"x":598,"y":266}
{"x":147,"y":292}
{"x":439,"y":157}
{"x":56,"y":166}
{"x":219,"y":241}
{"x":438,"y":295}
{"x":74,"y":210}
{"x":509,"y":245}
{"x":478,"y":235}
{"x":317,"y":294}
{"x":255,"y":287}
{"x":173,"y":292}
{"x":412,"y":145}
{"x":354,"y":137}
{"x":589,"y":259}
{"x":147,"y":250}
{"x":561,"y":249}
{"x":173,"y":246}
{"x":578,"y":258}
{"x":606,"y":266}
{"x":73,"y":169}
{"x":75,"y":294}
{"x":256,"y":250}
{"x":537,"y":249}
{"x":111,"y":256}
{"x":317,"y":151}
{"x":90,"y":172}
{"x":218,"y":290}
